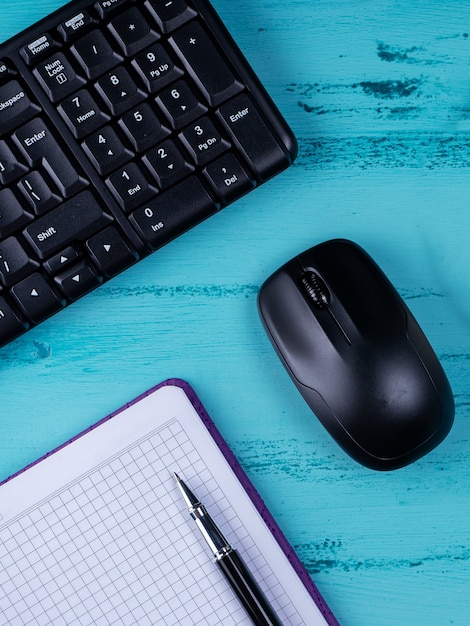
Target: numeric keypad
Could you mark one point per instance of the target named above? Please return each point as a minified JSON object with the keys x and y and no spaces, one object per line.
{"x":128,"y":122}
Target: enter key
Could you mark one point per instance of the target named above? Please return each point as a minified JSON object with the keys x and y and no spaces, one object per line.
{"x":253,"y":137}
{"x":40,"y":148}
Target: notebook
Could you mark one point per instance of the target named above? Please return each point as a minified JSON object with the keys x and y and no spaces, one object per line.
{"x":96,"y":533}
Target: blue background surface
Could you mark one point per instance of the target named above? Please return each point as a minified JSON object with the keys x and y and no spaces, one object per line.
{"x":378,"y":95}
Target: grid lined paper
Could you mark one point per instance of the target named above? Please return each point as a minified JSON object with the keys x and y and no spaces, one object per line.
{"x":116,"y":546}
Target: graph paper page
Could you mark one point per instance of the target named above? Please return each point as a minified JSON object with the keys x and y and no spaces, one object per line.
{"x":97,"y":533}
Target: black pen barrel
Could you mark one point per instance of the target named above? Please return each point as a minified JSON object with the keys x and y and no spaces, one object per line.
{"x":247,"y":590}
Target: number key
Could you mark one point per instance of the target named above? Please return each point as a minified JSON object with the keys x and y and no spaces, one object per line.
{"x":82,"y":114}
{"x":106,"y":151}
{"x":130,"y":187}
{"x":180,"y":105}
{"x":143,"y":128}
{"x":203,"y":141}
{"x":119,"y":91}
{"x":156,"y":68}
{"x":167,"y":164}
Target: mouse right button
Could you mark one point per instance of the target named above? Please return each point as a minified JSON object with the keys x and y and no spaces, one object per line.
{"x":295,"y":333}
{"x":362,"y":298}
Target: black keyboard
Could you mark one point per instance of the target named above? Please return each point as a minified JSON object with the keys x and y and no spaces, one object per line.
{"x":123,"y":123}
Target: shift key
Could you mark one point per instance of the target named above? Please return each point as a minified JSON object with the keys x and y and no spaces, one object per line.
{"x":76,"y":219}
{"x":253,"y":137}
{"x":40,"y":148}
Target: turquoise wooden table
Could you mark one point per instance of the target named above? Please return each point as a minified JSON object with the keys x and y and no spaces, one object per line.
{"x":378,"y":94}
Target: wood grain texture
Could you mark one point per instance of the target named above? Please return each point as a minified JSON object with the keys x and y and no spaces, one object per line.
{"x":378,"y":94}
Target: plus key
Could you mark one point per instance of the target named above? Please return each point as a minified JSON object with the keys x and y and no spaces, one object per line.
{"x":205,"y":63}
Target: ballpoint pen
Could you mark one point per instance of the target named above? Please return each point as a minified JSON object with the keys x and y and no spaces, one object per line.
{"x":229,"y":561}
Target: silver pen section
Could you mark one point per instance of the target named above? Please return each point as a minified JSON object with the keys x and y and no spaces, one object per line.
{"x":227,"y":558}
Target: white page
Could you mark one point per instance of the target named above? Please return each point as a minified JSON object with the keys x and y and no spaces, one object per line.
{"x":97,"y":533}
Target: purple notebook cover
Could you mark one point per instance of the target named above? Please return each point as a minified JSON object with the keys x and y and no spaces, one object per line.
{"x":238,"y":471}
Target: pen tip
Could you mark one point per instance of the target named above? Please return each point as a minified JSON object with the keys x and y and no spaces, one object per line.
{"x":176,"y":477}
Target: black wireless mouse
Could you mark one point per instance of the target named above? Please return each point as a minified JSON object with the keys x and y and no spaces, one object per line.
{"x":357,"y":355}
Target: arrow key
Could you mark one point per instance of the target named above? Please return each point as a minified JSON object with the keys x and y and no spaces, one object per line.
{"x":111,"y":253}
{"x":60,"y":261}
{"x":36,"y":298}
{"x":76,"y":281}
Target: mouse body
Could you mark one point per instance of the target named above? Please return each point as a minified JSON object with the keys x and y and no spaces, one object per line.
{"x":357,"y":355}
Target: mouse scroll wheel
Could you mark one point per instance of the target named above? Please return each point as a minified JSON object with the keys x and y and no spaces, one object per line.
{"x":316,"y":290}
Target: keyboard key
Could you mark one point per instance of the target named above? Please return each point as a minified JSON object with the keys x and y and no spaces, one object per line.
{"x":203,"y":141}
{"x":36,"y":298}
{"x":11,"y":326}
{"x":253,"y":137}
{"x":75,"y":25}
{"x":119,"y":91}
{"x":38,"y":48}
{"x":95,"y":54}
{"x":41,"y":148}
{"x":173,"y":212}
{"x":156,"y":68}
{"x":15,"y":264}
{"x":110,"y":252}
{"x":143,"y":128}
{"x":57,"y":77}
{"x":105,"y":7}
{"x":63,"y":259}
{"x":5,"y":70}
{"x":78,"y":280}
{"x":170,"y":14}
{"x":205,"y":63}
{"x":76,"y":219}
{"x":130,"y":187}
{"x":167,"y":164}
{"x":38,"y":193}
{"x":82,"y":114}
{"x":106,"y":151}
{"x":228,"y":178}
{"x":15,"y":106}
{"x":11,"y":167}
{"x":12,"y":214}
{"x":132,"y":31}
{"x":180,"y":105}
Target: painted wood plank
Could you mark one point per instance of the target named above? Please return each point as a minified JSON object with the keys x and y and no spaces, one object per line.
{"x":378,"y":94}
